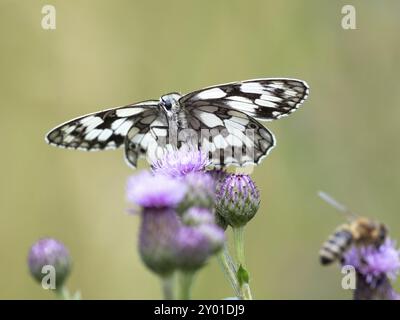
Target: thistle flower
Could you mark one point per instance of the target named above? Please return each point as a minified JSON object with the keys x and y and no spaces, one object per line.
{"x":197,"y":244}
{"x":158,"y":240}
{"x":204,"y":220}
{"x":157,"y":195}
{"x":197,"y":216}
{"x":214,"y":234}
{"x":382,"y":290}
{"x":237,"y":199}
{"x":180,"y":162}
{"x":200,"y":191}
{"x":49,"y":251}
{"x":374,"y":267}
{"x":165,"y":244}
{"x":155,"y":191}
{"x":374,"y":262}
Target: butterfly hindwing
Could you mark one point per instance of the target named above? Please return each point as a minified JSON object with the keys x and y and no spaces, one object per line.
{"x":230,"y":136}
{"x":263,"y":99}
{"x":147,"y":137}
{"x":101,"y":130}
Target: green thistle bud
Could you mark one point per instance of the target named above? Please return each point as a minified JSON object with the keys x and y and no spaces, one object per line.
{"x":237,"y":200}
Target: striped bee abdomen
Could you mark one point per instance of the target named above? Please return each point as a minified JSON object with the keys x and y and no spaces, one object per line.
{"x":336,"y":245}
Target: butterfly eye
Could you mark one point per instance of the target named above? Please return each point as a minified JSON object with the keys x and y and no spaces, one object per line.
{"x":167,"y":104}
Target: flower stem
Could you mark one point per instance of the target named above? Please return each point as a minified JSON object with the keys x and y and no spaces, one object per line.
{"x":246,"y":292}
{"x":229,"y":268}
{"x":63,"y":293}
{"x":241,"y":274}
{"x":186,"y":280}
{"x":238,"y":237}
{"x":168,"y":287}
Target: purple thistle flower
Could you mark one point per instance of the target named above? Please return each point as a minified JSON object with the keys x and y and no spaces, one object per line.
{"x":196,"y":216}
{"x":180,"y":162}
{"x":214,"y":234}
{"x":158,"y":239}
{"x":382,"y":290}
{"x":48,"y":251}
{"x":192,"y":250}
{"x":165,"y":244}
{"x":375,"y":268}
{"x":374,"y":262}
{"x":200,"y":192}
{"x":197,"y":244}
{"x":155,"y":191}
{"x":238,"y":199}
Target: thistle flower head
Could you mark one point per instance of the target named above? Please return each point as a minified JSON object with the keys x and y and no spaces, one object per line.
{"x":214,"y":234}
{"x":373,"y":263}
{"x":158,"y":241}
{"x":165,"y":244}
{"x":155,"y":191}
{"x":180,"y":162}
{"x":197,"y":216}
{"x":197,"y":244}
{"x":178,"y":184}
{"x":237,"y":199}
{"x":200,"y":191}
{"x":48,"y":251}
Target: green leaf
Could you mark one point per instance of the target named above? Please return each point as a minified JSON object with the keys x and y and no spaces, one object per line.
{"x":242,"y":275}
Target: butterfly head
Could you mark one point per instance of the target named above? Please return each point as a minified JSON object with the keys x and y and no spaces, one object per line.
{"x":170,"y":102}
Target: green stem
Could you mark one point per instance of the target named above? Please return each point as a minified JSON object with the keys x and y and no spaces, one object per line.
{"x":186,"y":280}
{"x":229,"y":268}
{"x":238,"y":237}
{"x":63,"y":293}
{"x":168,"y":287}
{"x":246,"y":292}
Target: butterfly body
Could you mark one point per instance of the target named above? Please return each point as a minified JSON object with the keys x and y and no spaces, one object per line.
{"x":220,"y":119}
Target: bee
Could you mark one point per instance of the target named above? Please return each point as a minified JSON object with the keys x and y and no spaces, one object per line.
{"x":359,"y":231}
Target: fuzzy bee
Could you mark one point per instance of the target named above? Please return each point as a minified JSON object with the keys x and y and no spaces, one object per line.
{"x":359,"y":231}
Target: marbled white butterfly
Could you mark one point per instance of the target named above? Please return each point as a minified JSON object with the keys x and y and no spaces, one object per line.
{"x":224,"y":116}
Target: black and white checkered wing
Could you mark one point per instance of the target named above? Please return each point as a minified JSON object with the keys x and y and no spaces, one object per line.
{"x":103,"y":130}
{"x":148,"y":137}
{"x":263,"y":99}
{"x":230,"y":136}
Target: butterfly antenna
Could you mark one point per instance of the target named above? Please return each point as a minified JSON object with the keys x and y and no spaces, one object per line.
{"x":337,"y":205}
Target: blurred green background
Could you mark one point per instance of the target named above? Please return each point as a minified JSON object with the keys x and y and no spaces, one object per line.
{"x":344,"y":140}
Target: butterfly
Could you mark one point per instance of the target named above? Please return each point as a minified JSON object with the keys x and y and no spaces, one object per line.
{"x":222,"y":120}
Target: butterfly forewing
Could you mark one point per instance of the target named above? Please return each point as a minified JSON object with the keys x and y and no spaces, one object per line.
{"x":102,"y":130}
{"x":264,"y":99}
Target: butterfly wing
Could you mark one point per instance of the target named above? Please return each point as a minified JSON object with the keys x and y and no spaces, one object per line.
{"x":102,"y":130}
{"x":147,"y":137}
{"x":263,"y":99}
{"x":230,"y":136}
